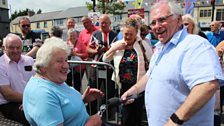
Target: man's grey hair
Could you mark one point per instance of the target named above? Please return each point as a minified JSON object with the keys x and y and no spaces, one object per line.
{"x":175,"y":8}
{"x":44,"y":54}
{"x":70,"y":18}
{"x":10,"y":35}
{"x":219,"y":24}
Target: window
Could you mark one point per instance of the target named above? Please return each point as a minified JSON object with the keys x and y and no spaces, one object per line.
{"x":59,"y":22}
{"x":209,"y":13}
{"x":3,"y":2}
{"x":45,"y":24}
{"x":38,"y":24}
{"x":78,"y":19}
{"x":205,"y":13}
{"x":218,"y":1}
{"x":201,"y":13}
{"x":220,"y":15}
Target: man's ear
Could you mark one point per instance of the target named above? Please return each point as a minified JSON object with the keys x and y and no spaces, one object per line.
{"x":3,"y":47}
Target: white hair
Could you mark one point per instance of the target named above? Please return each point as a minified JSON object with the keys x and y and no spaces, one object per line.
{"x":72,"y":30}
{"x":44,"y":54}
{"x":192,"y":21}
{"x":174,"y":7}
{"x":11,"y":35}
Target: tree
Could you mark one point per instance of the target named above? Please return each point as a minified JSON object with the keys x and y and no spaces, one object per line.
{"x":24,"y":13}
{"x":39,"y":11}
{"x":107,"y":7}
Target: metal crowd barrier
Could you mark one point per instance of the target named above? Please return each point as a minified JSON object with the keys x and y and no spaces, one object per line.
{"x":100,"y":74}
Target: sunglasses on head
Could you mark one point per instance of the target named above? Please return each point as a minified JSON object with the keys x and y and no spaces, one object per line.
{"x":27,"y":25}
{"x":185,"y":24}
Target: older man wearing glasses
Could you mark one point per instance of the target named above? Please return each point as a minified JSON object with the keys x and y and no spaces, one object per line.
{"x":183,"y":74}
{"x":31,"y":40}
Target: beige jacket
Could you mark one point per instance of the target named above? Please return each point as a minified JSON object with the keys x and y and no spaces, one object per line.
{"x":141,"y":63}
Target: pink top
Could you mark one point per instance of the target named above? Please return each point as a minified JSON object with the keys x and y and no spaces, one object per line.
{"x":85,"y":36}
{"x":79,"y":49}
{"x":14,"y":74}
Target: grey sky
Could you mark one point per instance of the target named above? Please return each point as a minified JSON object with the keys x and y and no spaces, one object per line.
{"x":45,"y":5}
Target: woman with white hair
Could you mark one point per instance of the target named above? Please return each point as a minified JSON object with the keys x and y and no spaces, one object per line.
{"x":78,"y":53}
{"x":191,"y":25}
{"x":48,"y":100}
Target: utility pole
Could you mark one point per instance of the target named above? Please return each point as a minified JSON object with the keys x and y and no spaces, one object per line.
{"x":213,"y":8}
{"x":103,"y":6}
{"x":94,"y":5}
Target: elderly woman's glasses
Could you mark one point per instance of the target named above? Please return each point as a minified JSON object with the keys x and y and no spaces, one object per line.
{"x":160,"y":20}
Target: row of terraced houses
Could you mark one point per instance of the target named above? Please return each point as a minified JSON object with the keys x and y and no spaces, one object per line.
{"x":45,"y":21}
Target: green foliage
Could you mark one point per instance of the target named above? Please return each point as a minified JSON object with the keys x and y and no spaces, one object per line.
{"x":39,"y":11}
{"x":89,"y":6}
{"x":23,"y":13}
{"x":109,"y":7}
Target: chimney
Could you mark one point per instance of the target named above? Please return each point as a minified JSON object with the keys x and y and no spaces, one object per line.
{"x":30,"y":13}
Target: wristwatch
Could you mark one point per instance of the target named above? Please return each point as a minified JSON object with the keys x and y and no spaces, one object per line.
{"x":176,"y":119}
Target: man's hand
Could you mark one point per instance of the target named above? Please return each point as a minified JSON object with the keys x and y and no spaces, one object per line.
{"x":91,"y":94}
{"x":101,"y":49}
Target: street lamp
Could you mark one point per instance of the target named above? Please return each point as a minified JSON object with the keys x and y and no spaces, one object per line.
{"x":213,"y":8}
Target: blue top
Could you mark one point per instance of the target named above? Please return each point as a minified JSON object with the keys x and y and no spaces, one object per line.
{"x":48,"y":104}
{"x":119,"y":36}
{"x":215,"y":39}
{"x":152,"y":39}
{"x":175,"y":68}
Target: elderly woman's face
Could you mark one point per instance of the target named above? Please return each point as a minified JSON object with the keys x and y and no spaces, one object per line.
{"x":58,"y":67}
{"x":130,"y":35}
{"x":72,"y":37}
{"x":189,"y":25}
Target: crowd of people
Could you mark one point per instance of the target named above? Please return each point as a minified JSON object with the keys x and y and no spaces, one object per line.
{"x":174,"y":68}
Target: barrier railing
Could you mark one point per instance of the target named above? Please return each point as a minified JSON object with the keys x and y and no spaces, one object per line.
{"x":101,"y":70}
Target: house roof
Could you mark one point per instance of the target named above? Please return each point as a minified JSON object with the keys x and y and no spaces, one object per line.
{"x":44,"y":16}
{"x":73,"y":12}
{"x":70,"y":12}
{"x":16,"y":20}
